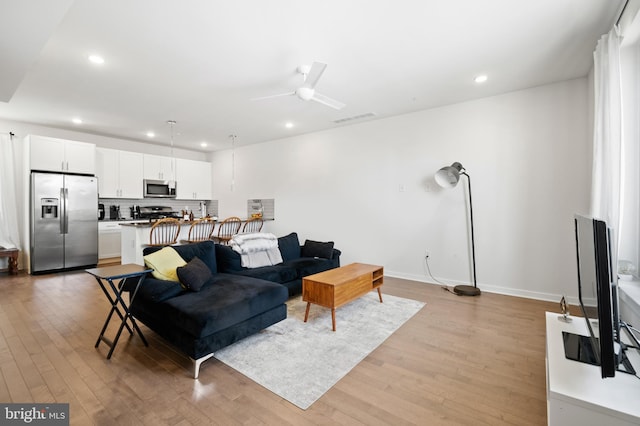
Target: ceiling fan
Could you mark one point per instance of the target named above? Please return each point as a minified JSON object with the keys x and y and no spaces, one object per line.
{"x":307,"y":92}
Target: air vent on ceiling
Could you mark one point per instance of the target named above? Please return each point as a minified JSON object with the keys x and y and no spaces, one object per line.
{"x":355,"y":117}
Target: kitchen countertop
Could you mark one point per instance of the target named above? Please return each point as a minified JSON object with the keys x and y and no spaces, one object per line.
{"x":147,"y":223}
{"x":123,"y":221}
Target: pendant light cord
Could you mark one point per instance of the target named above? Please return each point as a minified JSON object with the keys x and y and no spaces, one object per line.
{"x":233,"y":161}
{"x":173,"y":157}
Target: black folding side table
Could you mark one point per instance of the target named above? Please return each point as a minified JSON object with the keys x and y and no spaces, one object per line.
{"x":107,"y":275}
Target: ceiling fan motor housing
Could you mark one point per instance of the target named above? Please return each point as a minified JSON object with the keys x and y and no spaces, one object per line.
{"x":305,"y":93}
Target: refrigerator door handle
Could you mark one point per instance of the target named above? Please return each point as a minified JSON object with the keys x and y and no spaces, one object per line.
{"x":64,"y":218}
{"x":62,"y":206}
{"x":66,"y":210}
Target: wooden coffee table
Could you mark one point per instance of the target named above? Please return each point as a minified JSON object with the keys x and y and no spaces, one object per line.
{"x":336,"y":287}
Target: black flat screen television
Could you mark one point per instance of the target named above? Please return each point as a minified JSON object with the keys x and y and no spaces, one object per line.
{"x":596,"y":299}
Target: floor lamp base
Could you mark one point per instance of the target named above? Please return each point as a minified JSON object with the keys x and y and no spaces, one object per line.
{"x":466,"y":290}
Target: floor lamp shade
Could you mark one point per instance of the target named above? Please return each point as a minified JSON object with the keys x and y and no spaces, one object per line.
{"x":448,"y":177}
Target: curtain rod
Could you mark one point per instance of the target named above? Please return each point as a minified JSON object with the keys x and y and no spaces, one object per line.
{"x":622,"y":12}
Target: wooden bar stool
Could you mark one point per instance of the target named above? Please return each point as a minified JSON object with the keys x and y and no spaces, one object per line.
{"x":227,"y":229}
{"x":253,"y":225}
{"x":164,"y":232}
{"x":200,"y":230}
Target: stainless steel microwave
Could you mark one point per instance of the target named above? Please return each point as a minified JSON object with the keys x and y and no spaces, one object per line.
{"x":159,"y":188}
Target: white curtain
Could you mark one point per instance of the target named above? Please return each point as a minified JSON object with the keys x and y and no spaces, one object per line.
{"x":607,"y":135}
{"x":9,"y":234}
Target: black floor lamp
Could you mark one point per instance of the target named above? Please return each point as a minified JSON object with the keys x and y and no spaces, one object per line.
{"x":448,"y":177}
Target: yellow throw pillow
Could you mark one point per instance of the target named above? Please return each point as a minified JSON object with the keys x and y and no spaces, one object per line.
{"x":164,"y":263}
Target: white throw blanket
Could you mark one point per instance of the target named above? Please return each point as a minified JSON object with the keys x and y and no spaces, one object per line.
{"x":256,"y":249}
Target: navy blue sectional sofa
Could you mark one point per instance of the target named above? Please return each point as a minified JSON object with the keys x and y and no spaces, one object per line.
{"x":229,"y":302}
{"x":297,"y":262}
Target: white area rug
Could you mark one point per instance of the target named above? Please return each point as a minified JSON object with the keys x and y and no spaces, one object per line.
{"x":301,"y":361}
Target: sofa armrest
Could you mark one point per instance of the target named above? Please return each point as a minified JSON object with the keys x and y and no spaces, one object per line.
{"x":336,"y":257}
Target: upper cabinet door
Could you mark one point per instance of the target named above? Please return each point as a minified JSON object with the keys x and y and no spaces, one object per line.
{"x":119,"y":173}
{"x":193,"y":181}
{"x":107,"y":171}
{"x":46,"y":153}
{"x":158,"y":167}
{"x":81,"y":157}
{"x":59,"y":155}
{"x":130,"y":174}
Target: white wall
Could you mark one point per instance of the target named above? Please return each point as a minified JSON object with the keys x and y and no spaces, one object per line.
{"x":369,"y":187}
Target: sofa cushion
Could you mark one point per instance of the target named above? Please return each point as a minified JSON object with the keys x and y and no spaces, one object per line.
{"x":194,"y":274}
{"x":289,"y":246}
{"x":164,"y":263}
{"x":317,"y":249}
{"x":228,"y":260}
{"x":157,"y":290}
{"x":204,"y":250}
{"x":279,"y":273}
{"x":228,"y":300}
{"x":308,"y":265}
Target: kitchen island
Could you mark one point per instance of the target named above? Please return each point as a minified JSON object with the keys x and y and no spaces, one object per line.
{"x":136,"y":235}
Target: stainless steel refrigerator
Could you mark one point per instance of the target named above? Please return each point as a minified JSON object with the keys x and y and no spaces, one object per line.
{"x":64,"y":221}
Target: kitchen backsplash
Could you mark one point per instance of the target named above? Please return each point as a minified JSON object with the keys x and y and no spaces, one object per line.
{"x":176,"y":205}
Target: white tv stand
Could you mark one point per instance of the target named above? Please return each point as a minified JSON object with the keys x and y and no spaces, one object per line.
{"x":577,"y":394}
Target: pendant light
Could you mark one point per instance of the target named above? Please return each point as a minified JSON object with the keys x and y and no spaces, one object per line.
{"x":172,"y":181}
{"x":233,"y":160}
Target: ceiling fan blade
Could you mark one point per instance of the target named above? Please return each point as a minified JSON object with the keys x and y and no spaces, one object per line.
{"x":325,"y":100}
{"x":314,"y":75}
{"x":273,"y":96}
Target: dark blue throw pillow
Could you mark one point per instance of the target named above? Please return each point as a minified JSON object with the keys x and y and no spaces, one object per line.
{"x":289,"y":246}
{"x":317,"y":249}
{"x":194,"y":274}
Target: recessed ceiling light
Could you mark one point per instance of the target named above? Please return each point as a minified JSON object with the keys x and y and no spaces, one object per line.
{"x":76,"y":121}
{"x":151,"y":135}
{"x":288,"y":125}
{"x":480,"y":79}
{"x":203,"y":144}
{"x":96,"y":59}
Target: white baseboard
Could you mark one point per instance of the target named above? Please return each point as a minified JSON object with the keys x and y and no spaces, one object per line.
{"x":549,"y":297}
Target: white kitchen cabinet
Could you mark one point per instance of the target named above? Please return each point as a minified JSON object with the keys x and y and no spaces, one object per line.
{"x":193,"y":180}
{"x":109,"y":239}
{"x":119,"y":173}
{"x":158,"y":167}
{"x":60,"y":155}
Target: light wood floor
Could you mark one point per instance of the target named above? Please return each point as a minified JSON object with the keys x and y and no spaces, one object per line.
{"x":460,"y":360}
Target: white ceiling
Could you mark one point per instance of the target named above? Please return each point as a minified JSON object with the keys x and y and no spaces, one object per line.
{"x":200,"y":62}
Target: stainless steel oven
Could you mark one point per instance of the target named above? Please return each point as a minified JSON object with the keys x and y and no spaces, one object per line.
{"x":159,"y":188}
